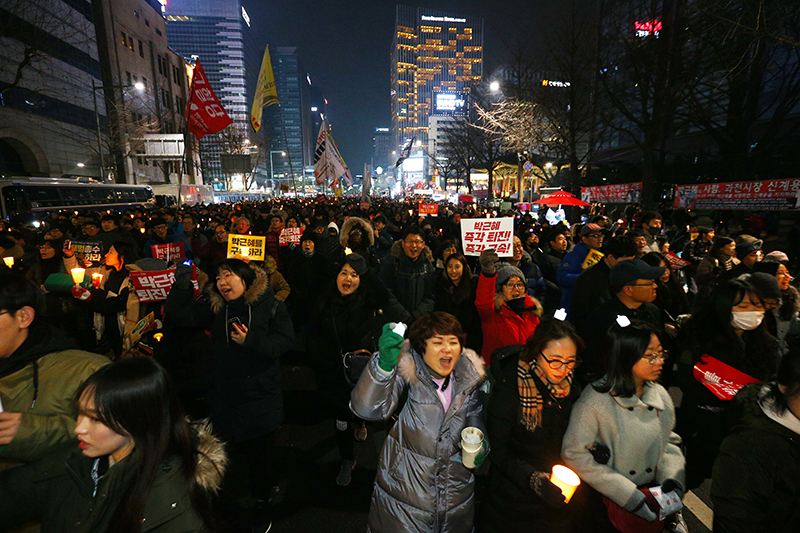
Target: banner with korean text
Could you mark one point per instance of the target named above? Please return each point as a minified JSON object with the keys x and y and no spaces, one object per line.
{"x":290,"y":236}
{"x":740,"y":195}
{"x":428,"y":209}
{"x":251,"y":247}
{"x":170,"y":252}
{"x":627,"y":193}
{"x":154,"y":286}
{"x":478,"y":234}
{"x":204,"y":113}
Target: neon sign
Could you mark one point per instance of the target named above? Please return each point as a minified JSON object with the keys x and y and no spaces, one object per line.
{"x":443,"y":19}
{"x":555,"y":83}
{"x":650,"y":27}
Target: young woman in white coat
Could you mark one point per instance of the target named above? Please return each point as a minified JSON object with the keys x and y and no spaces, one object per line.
{"x":620,"y":438}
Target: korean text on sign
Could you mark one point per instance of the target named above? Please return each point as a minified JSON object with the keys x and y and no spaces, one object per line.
{"x":290,"y":236}
{"x":154,"y":286}
{"x":171,"y":252}
{"x":478,"y":234}
{"x":430,"y":209}
{"x":88,"y":250}
{"x":254,"y":247}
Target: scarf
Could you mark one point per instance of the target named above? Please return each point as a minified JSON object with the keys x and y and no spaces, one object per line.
{"x":529,"y":397}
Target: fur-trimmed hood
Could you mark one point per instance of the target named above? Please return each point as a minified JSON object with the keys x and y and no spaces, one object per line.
{"x":255,"y":292}
{"x":398,"y":252}
{"x":211,"y":457}
{"x":348,"y":226}
{"x":407,"y":366}
{"x":531,"y":304}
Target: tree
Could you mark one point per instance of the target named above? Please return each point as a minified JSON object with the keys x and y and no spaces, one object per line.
{"x":460,"y":147}
{"x":234,"y":141}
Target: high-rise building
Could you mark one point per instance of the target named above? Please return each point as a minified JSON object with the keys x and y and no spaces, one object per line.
{"x":381,"y":148}
{"x":433,"y":53}
{"x":214,"y":33}
{"x":47,"y":115}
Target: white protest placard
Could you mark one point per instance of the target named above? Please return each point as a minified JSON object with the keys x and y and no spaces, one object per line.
{"x":478,"y":234}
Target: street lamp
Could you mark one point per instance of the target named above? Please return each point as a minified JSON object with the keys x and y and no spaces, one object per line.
{"x":271,"y":171}
{"x":139,"y":86}
{"x":494,"y":86}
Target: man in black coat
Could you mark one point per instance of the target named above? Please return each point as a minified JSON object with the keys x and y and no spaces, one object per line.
{"x":593,"y":287}
{"x":548,"y":263}
{"x":410,"y":275}
{"x":634,"y":287}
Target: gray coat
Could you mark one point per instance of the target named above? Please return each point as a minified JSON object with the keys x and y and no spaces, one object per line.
{"x":421,"y":485}
{"x":638,"y":432}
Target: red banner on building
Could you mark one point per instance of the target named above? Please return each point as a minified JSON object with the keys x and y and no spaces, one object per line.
{"x":766,"y":194}
{"x":620,"y":193}
{"x":154,"y":286}
{"x":171,"y":252}
{"x":428,"y":209}
{"x":204,"y":113}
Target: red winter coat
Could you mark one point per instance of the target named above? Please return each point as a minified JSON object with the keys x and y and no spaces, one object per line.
{"x":502,"y":326}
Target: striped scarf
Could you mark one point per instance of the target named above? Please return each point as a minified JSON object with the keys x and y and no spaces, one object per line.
{"x":529,"y":398}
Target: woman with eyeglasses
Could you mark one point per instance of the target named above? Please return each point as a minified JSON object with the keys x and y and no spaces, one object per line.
{"x":620,"y":439}
{"x":508,"y":314}
{"x":528,"y":413}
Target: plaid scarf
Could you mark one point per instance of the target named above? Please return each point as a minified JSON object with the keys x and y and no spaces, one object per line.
{"x":529,"y":398}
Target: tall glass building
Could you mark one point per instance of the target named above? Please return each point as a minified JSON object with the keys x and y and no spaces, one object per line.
{"x":212,"y":32}
{"x":432,"y":53}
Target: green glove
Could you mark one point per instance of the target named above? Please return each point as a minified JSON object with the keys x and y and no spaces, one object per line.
{"x":389,"y":347}
{"x":480,"y":457}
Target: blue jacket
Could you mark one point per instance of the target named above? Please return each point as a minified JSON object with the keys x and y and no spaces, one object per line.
{"x":569,"y":270}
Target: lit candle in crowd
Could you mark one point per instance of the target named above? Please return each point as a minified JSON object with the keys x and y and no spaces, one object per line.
{"x":566,"y":480}
{"x":9,"y":261}
{"x":97,"y":279}
{"x":77,"y":275}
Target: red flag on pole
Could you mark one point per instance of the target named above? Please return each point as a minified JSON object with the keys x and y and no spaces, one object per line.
{"x":204,"y":113}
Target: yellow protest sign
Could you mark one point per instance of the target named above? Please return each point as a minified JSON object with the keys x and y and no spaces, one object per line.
{"x":251,"y":247}
{"x":592,"y":259}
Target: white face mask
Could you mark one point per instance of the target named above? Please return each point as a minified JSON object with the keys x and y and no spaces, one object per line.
{"x":747,"y":320}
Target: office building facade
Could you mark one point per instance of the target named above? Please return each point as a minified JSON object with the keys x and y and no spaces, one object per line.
{"x":433,"y":53}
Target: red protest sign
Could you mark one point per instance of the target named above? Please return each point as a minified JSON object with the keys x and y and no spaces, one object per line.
{"x":290,"y":236}
{"x":171,"y":252}
{"x":428,"y":209}
{"x":721,"y":379}
{"x":154,"y":286}
{"x":676,"y":262}
{"x":764,"y":194}
{"x":613,"y":194}
{"x":204,"y":113}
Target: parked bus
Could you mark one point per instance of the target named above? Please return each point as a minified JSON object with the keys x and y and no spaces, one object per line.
{"x":30,"y":199}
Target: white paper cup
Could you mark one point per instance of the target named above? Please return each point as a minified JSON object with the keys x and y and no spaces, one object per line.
{"x":471,"y":444}
{"x":566,"y":480}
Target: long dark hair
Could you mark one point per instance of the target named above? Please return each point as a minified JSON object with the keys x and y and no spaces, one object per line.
{"x":464,"y":290}
{"x":135,"y":397}
{"x":127,"y":252}
{"x":622,"y":348}
{"x":549,"y":329}
{"x":789,"y":377}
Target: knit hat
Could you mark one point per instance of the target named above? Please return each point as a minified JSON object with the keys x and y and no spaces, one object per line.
{"x":505,"y":272}
{"x":356,"y":262}
{"x":766,"y":286}
{"x":746,"y":248}
{"x":309,"y":235}
{"x":777,"y":255}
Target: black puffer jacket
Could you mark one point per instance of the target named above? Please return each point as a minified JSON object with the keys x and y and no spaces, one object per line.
{"x":245,"y":398}
{"x":412,"y":284}
{"x":756,"y":478}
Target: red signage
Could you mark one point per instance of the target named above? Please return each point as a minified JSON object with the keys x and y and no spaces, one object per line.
{"x":676,"y":262}
{"x":766,"y":194}
{"x":154,"y":286}
{"x":171,"y":252}
{"x":648,"y":27}
{"x":204,"y":113}
{"x":721,"y":379}
{"x":627,"y":193}
{"x":290,"y":236}
{"x":428,"y":209}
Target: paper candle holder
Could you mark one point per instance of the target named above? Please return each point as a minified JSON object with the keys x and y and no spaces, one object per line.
{"x":566,"y":480}
{"x":78,"y":274}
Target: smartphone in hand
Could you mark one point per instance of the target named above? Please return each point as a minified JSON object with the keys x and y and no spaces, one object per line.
{"x":231,"y":322}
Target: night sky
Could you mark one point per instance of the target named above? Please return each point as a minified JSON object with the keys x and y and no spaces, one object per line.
{"x":345,"y":47}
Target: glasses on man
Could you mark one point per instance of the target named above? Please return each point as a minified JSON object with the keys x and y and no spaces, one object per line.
{"x":555,"y":364}
{"x":646,"y":284}
{"x":515,"y":286}
{"x":655,"y":357}
{"x":415,"y":242}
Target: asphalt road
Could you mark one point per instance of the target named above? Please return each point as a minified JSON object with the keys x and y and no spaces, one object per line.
{"x":309,"y":500}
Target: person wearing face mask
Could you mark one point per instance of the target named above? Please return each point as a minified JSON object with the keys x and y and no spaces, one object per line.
{"x":346,"y":317}
{"x":730,"y":329}
{"x":508,"y":314}
{"x":250,"y":331}
{"x":651,"y":226}
{"x":455,"y":294}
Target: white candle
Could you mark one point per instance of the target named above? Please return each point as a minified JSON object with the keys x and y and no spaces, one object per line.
{"x":77,"y":275}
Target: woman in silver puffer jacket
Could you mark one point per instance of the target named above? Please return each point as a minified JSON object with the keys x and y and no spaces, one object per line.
{"x":422,"y":485}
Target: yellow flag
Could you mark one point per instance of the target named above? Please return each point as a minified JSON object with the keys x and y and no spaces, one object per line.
{"x":266,"y":91}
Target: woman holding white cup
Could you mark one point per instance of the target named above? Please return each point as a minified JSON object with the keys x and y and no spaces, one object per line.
{"x":528,"y":413}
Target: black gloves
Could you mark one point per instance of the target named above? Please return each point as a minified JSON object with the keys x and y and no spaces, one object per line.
{"x":544,"y":488}
{"x":183,"y":276}
{"x":670,"y":485}
{"x":487,"y":259}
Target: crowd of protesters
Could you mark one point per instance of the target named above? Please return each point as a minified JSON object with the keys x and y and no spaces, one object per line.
{"x":572,"y":350}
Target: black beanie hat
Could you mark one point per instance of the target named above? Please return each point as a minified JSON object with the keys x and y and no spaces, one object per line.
{"x":356,"y":262}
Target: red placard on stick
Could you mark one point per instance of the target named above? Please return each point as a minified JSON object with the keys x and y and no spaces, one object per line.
{"x":171,"y":252}
{"x":721,"y":379}
{"x":290,"y":236}
{"x":676,"y":262}
{"x":428,"y":209}
{"x":154,"y":286}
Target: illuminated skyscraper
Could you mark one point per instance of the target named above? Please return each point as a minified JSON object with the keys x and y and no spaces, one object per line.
{"x":432,"y":52}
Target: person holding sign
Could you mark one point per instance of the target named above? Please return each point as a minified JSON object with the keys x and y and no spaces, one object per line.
{"x":620,"y":438}
{"x":160,"y":235}
{"x":528,"y":413}
{"x":575,"y":262}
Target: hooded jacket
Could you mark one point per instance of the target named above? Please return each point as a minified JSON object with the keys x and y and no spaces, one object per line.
{"x":61,"y":492}
{"x":245,"y":397}
{"x":756,"y":478}
{"x":412,"y":284}
{"x":39,"y":380}
{"x":421,"y":483}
